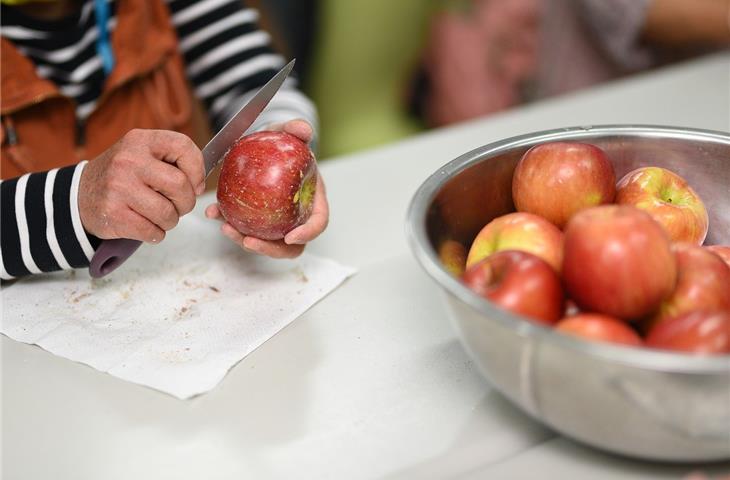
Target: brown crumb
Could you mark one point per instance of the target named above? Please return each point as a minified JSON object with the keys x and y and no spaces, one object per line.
{"x":79,"y":297}
{"x":215,"y":289}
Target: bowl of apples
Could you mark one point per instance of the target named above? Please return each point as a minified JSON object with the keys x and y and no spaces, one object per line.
{"x":588,"y":275}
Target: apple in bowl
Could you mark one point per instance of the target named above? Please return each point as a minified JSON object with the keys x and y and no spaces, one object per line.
{"x":617,"y":261}
{"x":601,"y":328}
{"x":519,"y":282}
{"x":557,"y":179}
{"x":518,"y":231}
{"x":267,"y":184}
{"x":703,"y":283}
{"x":698,"y":331}
{"x":669,"y":199}
{"x":722,"y":251}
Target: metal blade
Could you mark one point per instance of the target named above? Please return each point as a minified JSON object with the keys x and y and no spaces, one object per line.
{"x":215,"y":149}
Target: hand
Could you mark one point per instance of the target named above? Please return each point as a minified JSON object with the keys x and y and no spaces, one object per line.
{"x":293,"y":243}
{"x":141,"y":186}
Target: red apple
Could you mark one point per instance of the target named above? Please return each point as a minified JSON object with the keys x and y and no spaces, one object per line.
{"x":669,"y":199}
{"x":703,"y":283}
{"x":602,"y":328}
{"x":555,"y":180}
{"x":518,"y":231}
{"x":698,"y":331}
{"x":267,"y":184}
{"x":617,"y":261}
{"x":519,"y":282}
{"x":453,"y":257}
{"x":723,"y":251}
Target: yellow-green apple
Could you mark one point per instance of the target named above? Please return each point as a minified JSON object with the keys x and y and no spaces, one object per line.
{"x":453,"y":256}
{"x":518,"y":231}
{"x":703,"y":283}
{"x":617,"y":261}
{"x":598,"y":327}
{"x":519,"y":282}
{"x":669,"y":199}
{"x":698,"y":331}
{"x":557,"y":179}
{"x":267,"y":184}
{"x":723,"y":251}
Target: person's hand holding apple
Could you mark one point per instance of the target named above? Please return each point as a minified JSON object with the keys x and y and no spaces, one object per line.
{"x":293,"y":242}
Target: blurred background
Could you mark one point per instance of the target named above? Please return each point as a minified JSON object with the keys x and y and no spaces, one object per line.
{"x":381,"y":70}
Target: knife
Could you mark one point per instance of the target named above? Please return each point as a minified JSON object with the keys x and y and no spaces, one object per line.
{"x":112,"y":253}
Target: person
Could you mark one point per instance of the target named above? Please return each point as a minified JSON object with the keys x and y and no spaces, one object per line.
{"x":494,"y":55}
{"x":586,"y":42}
{"x":121,"y":82}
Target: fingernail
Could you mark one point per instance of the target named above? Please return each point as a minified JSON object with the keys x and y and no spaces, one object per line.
{"x":293,"y":240}
{"x":247,"y":247}
{"x":200,"y":189}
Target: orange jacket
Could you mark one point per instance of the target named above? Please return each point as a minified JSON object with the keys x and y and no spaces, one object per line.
{"x":146,"y":89}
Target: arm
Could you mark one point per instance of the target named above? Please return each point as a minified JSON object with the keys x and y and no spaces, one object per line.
{"x":679,"y":23}
{"x":228,"y":58}
{"x":631,"y":32}
{"x":138,"y":188}
{"x":41,"y":224}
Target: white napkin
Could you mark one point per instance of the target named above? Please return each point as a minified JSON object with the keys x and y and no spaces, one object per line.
{"x":176,"y":317}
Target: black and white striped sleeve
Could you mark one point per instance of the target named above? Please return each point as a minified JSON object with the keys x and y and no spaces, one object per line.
{"x":40,"y":228}
{"x":228,"y":58}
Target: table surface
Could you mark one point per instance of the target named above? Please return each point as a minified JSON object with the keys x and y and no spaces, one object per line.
{"x":372,"y":381}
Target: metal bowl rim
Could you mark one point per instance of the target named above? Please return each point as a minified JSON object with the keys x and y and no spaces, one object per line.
{"x":418,"y":240}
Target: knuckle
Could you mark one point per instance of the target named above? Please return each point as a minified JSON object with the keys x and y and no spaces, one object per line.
{"x":134,"y":135}
{"x":178,"y":180}
{"x":187,"y":204}
{"x":169,"y":214}
{"x":152,"y":234}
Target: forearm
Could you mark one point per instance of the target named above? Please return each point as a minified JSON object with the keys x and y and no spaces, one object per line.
{"x":695,"y":23}
{"x":41,"y":225}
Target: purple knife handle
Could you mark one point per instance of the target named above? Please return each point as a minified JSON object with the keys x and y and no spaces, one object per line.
{"x":111,"y":254}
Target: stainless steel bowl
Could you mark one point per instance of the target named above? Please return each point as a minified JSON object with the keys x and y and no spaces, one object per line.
{"x":637,"y":402}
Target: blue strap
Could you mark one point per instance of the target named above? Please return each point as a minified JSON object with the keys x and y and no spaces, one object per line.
{"x":103,"y":45}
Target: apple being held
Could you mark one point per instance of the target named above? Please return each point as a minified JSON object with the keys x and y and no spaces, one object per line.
{"x":267,"y":184}
{"x":602,"y":328}
{"x":518,"y":231}
{"x":557,"y":179}
{"x":703,"y":283}
{"x":723,"y":251}
{"x":669,"y":199}
{"x":519,"y":282}
{"x":618,"y":261}
{"x":698,"y":331}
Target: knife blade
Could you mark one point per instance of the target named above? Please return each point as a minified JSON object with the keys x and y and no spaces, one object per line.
{"x":216,"y":148}
{"x":112,"y":253}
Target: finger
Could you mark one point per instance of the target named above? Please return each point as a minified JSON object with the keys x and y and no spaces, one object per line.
{"x":234,"y":235}
{"x":181,"y":151}
{"x":136,"y":227}
{"x":155,"y":208}
{"x":299,"y":128}
{"x":273,"y":249}
{"x":317,"y":222}
{"x":213,"y":212}
{"x":172,"y":183}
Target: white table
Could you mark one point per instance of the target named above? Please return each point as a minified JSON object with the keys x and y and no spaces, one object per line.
{"x":371,"y":382}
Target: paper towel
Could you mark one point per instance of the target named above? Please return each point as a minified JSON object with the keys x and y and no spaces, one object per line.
{"x":177,"y":316}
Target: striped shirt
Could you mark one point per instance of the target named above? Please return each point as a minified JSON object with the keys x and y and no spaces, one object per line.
{"x":227,"y":58}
